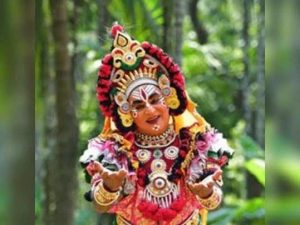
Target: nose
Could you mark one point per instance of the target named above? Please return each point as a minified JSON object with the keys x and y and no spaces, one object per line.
{"x":149,"y":109}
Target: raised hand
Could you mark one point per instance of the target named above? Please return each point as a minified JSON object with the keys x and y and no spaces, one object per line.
{"x":111,"y":180}
{"x":205,"y":188}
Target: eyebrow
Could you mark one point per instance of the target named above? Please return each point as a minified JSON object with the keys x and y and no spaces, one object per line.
{"x":137,"y":102}
{"x":153,"y":95}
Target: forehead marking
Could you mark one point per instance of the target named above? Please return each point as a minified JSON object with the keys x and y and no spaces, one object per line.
{"x":143,"y":93}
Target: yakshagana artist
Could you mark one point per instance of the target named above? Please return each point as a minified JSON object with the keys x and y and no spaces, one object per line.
{"x":157,"y":161}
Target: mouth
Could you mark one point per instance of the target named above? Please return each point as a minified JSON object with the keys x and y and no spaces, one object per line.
{"x":153,"y":120}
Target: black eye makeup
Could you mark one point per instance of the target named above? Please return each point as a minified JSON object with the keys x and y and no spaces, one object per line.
{"x":154,"y":98}
{"x":138,"y":104}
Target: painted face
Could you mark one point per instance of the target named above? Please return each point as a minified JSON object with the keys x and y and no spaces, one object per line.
{"x":148,"y":109}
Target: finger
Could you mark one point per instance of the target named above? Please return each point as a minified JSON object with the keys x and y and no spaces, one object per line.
{"x":104,"y":175}
{"x":122,"y":173}
{"x":217,"y":175}
{"x":198,"y":187}
{"x":98,"y":166}
{"x":191,"y":186}
{"x":210,"y":184}
{"x":118,"y":174}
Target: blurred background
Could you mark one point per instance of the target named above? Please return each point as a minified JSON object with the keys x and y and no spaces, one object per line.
{"x":220,"y":47}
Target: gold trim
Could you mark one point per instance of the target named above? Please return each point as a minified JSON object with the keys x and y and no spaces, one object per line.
{"x":213,"y":201}
{"x":104,"y":197}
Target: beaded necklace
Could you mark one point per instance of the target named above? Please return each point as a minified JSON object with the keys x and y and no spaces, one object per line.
{"x":148,"y":141}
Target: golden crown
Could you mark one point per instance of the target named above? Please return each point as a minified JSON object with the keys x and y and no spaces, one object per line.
{"x":129,"y":81}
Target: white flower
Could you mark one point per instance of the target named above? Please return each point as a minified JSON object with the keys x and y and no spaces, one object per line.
{"x":89,"y":155}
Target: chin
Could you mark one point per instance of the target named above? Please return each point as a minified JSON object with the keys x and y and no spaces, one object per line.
{"x":160,"y":131}
{"x":156,"y":133}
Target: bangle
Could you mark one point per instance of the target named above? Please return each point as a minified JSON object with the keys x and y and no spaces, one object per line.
{"x":213,"y":201}
{"x":104,"y":197}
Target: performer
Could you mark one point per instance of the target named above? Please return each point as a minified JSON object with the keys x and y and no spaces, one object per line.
{"x":157,"y":161}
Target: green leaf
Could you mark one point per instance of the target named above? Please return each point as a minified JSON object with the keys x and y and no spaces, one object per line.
{"x":257,"y":168}
{"x":222,"y":216}
{"x":250,"y":147}
{"x":251,"y":209}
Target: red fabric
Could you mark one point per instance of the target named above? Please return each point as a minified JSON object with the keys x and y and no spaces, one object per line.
{"x":182,"y":153}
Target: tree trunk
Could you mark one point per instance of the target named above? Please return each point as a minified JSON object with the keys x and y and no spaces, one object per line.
{"x":260,"y":96}
{"x":104,"y":21}
{"x":173,"y":14}
{"x":17,"y":74}
{"x":179,"y":13}
{"x":202,"y":34}
{"x":168,"y":31}
{"x":74,"y":18}
{"x":253,"y":187}
{"x":48,"y":120}
{"x":67,"y":130}
{"x":245,"y":80}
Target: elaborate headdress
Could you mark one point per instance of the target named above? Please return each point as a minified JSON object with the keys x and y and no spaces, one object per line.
{"x":130,"y":65}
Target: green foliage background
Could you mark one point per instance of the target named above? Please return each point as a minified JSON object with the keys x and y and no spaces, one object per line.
{"x":214,"y":73}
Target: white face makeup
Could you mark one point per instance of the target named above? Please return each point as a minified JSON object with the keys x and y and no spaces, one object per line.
{"x":145,"y":96}
{"x":149,"y":111}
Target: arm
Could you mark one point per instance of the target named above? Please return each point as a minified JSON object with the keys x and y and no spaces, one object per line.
{"x":106,"y":190}
{"x":205,"y":173}
{"x":207,"y":191}
{"x":104,"y":172}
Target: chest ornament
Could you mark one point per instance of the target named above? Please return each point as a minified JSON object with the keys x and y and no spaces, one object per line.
{"x":143,"y":155}
{"x":160,"y":190}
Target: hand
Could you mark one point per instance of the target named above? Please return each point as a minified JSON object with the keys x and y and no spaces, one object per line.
{"x":205,"y":188}
{"x":111,"y":180}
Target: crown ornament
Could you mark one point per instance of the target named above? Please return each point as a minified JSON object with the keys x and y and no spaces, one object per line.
{"x":131,"y":64}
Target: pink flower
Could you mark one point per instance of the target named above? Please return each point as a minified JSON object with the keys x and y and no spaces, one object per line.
{"x":109,"y":146}
{"x":209,"y":137}
{"x":202,"y":146}
{"x":208,"y":140}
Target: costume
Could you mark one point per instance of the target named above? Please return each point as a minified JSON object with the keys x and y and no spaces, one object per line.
{"x":132,"y":78}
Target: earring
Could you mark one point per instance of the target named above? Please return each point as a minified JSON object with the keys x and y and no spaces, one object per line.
{"x":134,"y":113}
{"x":172,"y":100}
{"x":126,"y":119}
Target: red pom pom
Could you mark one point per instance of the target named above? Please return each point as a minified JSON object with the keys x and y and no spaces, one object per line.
{"x":142,"y":206}
{"x":178,"y":204}
{"x":105,"y":69}
{"x":107,"y":58}
{"x":174,"y":68}
{"x":160,"y":53}
{"x":158,"y":215}
{"x":152,"y":207}
{"x":164,"y":59}
{"x":146,"y":45}
{"x":148,"y":214}
{"x":153,"y":49}
{"x":115,"y":28}
{"x":179,"y":79}
{"x":106,"y":83}
{"x":168,"y":214}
